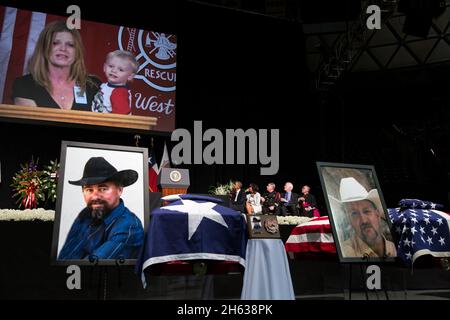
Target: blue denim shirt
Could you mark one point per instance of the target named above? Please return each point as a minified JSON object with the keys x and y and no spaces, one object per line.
{"x":119,"y":235}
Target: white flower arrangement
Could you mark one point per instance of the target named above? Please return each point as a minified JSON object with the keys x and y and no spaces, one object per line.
{"x":27,"y":215}
{"x":222,"y":189}
{"x":292,"y":220}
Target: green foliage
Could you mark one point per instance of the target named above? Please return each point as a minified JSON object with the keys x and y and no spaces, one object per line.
{"x":33,"y":187}
{"x":49,"y":180}
{"x":221,"y":189}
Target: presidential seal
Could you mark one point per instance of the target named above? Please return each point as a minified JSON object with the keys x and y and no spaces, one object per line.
{"x":175,"y":176}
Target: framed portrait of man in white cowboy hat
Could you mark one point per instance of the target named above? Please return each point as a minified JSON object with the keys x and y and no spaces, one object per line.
{"x":357,"y":213}
{"x":102,"y":204}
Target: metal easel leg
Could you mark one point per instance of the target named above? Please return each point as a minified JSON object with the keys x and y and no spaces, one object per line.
{"x":364,"y":279}
{"x":350,"y":282}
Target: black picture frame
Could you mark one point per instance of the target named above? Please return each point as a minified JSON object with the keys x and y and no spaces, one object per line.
{"x":342,"y":184}
{"x":70,"y":202}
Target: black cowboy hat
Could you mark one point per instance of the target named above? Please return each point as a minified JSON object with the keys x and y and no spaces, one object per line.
{"x":98,"y":170}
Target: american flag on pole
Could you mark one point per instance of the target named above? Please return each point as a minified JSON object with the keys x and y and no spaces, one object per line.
{"x":419,"y":232}
{"x":312,"y":236}
{"x":193,"y":227}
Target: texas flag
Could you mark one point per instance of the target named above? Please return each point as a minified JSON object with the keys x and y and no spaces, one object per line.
{"x":193,"y":227}
{"x":152,"y":172}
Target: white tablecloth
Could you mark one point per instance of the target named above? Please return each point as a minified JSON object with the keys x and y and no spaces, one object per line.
{"x":267,"y":274}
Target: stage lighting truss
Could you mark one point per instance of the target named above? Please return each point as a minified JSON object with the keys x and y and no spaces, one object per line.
{"x":353,"y":47}
{"x":338,"y":58}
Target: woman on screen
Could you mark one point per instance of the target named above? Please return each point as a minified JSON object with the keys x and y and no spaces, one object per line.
{"x":57,"y":74}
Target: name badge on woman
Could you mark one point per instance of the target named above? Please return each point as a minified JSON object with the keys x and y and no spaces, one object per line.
{"x":80,"y":96}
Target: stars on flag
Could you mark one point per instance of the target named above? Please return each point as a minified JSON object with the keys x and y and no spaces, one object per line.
{"x":434,"y":230}
{"x":406,"y":242}
{"x":405,"y":228}
{"x":196,"y":211}
{"x":420,"y":231}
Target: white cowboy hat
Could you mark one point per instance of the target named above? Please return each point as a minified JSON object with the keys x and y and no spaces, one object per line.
{"x":351,"y":190}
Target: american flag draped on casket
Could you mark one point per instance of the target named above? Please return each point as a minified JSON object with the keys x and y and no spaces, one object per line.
{"x":418,"y":229}
{"x":312,"y":236}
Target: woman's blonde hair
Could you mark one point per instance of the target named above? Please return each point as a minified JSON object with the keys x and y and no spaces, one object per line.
{"x":38,"y":65}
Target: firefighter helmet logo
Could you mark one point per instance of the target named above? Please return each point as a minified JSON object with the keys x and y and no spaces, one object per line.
{"x":155,"y":53}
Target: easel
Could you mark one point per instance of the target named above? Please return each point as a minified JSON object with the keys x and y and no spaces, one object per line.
{"x":366,"y":262}
{"x":102,"y":284}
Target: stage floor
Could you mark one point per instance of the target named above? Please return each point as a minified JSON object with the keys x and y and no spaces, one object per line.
{"x":27,"y":274}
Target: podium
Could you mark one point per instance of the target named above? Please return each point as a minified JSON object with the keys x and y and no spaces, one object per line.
{"x":173,"y":181}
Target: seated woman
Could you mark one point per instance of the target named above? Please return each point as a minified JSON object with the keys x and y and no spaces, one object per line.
{"x":253,"y":204}
{"x":57,"y":74}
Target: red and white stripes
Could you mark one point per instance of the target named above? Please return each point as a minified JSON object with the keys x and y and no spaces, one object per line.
{"x":312,"y":236}
{"x":20,"y":30}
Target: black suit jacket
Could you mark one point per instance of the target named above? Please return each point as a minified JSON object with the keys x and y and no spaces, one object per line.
{"x":239,"y":203}
{"x":310,"y":199}
{"x":291,"y":206}
{"x":293,"y":200}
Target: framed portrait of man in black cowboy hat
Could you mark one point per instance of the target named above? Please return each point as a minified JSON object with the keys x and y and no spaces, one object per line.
{"x":357,"y":213}
{"x":102,"y":204}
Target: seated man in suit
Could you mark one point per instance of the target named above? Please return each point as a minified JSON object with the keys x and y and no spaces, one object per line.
{"x":238,"y":197}
{"x":289,"y":201}
{"x":271,"y":200}
{"x":308,"y":204}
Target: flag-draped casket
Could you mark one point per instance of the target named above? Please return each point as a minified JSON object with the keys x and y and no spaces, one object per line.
{"x":194,"y":228}
{"x":418,"y":228}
